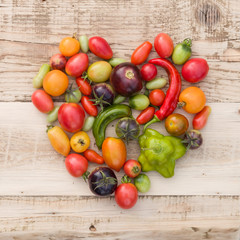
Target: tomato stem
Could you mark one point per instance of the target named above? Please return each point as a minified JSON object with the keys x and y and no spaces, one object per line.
{"x":188,"y":42}
{"x":49,"y":127}
{"x":125,"y":179}
{"x":154,"y":120}
{"x":181,"y":104}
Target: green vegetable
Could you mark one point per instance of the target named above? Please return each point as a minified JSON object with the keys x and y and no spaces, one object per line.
{"x":159,"y":152}
{"x":38,"y":80}
{"x":83,"y":40}
{"x":142,"y":183}
{"x":139,"y":102}
{"x":88,"y":124}
{"x":73,"y":95}
{"x":118,"y":99}
{"x":105,"y":117}
{"x":116,"y":61}
{"x":53,"y":115}
{"x":156,"y":83}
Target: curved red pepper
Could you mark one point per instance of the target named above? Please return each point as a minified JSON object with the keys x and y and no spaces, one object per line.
{"x":171,"y":99}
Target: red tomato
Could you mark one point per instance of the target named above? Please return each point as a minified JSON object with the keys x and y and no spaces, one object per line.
{"x":148,"y":71}
{"x":58,"y":61}
{"x":146,"y":115}
{"x":163,"y":45}
{"x":156,"y":97}
{"x":126,"y":195}
{"x":77,"y":64}
{"x":76,"y":164}
{"x":71,"y":117}
{"x":84,"y":87}
{"x":89,"y":106}
{"x":132,"y":168}
{"x":141,"y":53}
{"x":200,"y":119}
{"x":92,"y":156}
{"x":195,"y":70}
{"x":100,"y":47}
{"x":42,"y":101}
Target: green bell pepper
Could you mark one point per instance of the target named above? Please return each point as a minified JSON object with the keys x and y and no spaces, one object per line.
{"x":159,"y":152}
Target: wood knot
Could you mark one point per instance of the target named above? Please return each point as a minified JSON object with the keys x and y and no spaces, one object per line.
{"x":208,"y":14}
{"x":92,"y":228}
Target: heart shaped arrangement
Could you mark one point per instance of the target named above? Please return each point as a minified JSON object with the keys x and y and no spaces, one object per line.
{"x":109,"y":89}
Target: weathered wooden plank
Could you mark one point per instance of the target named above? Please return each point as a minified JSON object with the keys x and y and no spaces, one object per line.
{"x":180,"y":217}
{"x":26,"y":156}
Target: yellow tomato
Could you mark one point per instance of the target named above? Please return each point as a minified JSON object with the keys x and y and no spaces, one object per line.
{"x":69,"y":46}
{"x":80,"y":142}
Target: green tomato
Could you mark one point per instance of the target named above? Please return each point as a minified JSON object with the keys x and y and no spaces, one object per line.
{"x":116,"y":61}
{"x":99,"y":71}
{"x":38,"y":79}
{"x":88,"y":123}
{"x":156,"y":83}
{"x":182,"y":52}
{"x":73,"y":96}
{"x":139,"y":102}
{"x":142,"y":183}
{"x":118,"y":99}
{"x":53,"y":115}
{"x":83,"y":40}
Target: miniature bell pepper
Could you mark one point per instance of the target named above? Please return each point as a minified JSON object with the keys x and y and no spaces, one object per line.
{"x":159,"y":152}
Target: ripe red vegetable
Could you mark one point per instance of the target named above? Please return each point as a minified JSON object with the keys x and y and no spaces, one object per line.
{"x":58,"y":61}
{"x":156,"y":97}
{"x":141,"y":53}
{"x":146,"y":115}
{"x":84,"y":86}
{"x":163,"y":45}
{"x":92,"y":156}
{"x":200,"y":119}
{"x":148,"y":71}
{"x":132,"y":168}
{"x":89,"y":106}
{"x":100,"y":47}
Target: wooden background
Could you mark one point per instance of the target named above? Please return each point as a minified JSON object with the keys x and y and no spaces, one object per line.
{"x":40,"y":200}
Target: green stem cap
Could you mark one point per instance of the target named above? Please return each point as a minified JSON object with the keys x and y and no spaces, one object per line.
{"x":155,"y":119}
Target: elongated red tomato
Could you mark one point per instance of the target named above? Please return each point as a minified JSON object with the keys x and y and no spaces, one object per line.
{"x":200,"y":119}
{"x":100,"y":47}
{"x":146,"y":115}
{"x":84,"y":86}
{"x":42,"y":101}
{"x":163,"y":45}
{"x":89,"y":106}
{"x":92,"y":156}
{"x":141,"y":53}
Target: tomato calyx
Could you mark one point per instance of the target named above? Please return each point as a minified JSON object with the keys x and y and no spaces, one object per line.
{"x":49,"y":127}
{"x":98,"y":101}
{"x":187,"y":42}
{"x":135,"y":169}
{"x":192,"y":139}
{"x":85,"y":176}
{"x":71,"y":92}
{"x":126,"y":179}
{"x":105,"y":181}
{"x":181,"y":104}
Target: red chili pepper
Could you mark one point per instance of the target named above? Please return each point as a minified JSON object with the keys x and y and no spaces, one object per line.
{"x":200,"y":119}
{"x":84,"y":86}
{"x":171,"y":99}
{"x":146,"y":115}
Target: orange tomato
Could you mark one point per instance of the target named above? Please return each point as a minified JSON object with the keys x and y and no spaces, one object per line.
{"x":80,"y":142}
{"x":55,"y":83}
{"x":69,"y":46}
{"x":114,"y":153}
{"x":193,"y":99}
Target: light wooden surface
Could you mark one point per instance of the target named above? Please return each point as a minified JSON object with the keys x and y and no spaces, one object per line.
{"x":40,"y":200}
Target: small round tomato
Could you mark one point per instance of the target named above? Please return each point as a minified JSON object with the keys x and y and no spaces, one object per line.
{"x":42,"y":101}
{"x":89,"y":106}
{"x":126,"y":195}
{"x":156,"y":97}
{"x":80,"y":142}
{"x":192,"y":99}
{"x":141,"y":53}
{"x":195,"y":70}
{"x":176,"y":124}
{"x":69,"y":46}
{"x":148,"y":71}
{"x":142,"y":183}
{"x":58,"y":61}
{"x":92,"y":156}
{"x":84,"y":86}
{"x":71,"y":117}
{"x":55,"y":83}
{"x":163,"y":45}
{"x":76,"y":164}
{"x":114,"y":153}
{"x":200,"y":119}
{"x":73,"y":95}
{"x":132,"y":168}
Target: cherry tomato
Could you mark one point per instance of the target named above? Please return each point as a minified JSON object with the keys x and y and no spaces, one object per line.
{"x":58,"y":61}
{"x":126,"y":195}
{"x":163,"y":45}
{"x":146,"y":115}
{"x":100,"y":47}
{"x":42,"y":101}
{"x":76,"y":164}
{"x":195,"y":70}
{"x":132,"y":168}
{"x":114,"y":153}
{"x":69,"y":46}
{"x":92,"y":156}
{"x":141,"y":53}
{"x":156,"y":97}
{"x":77,"y":64}
{"x":200,"y":119}
{"x":84,"y":86}
{"x":71,"y":117}
{"x":176,"y":124}
{"x":80,"y":142}
{"x":148,"y":71}
{"x":55,"y":83}
{"x":89,"y":106}
{"x":192,"y":99}
{"x":142,"y":183}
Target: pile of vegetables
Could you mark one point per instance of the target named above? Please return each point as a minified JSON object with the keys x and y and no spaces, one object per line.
{"x":110,"y":89}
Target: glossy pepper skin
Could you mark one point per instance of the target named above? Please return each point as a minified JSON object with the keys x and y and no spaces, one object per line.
{"x":159,"y":152}
{"x":172,"y":95}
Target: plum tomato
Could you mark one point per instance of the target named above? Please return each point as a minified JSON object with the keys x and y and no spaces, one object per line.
{"x":84,"y":86}
{"x":163,"y":45}
{"x":69,"y":46}
{"x":132,"y":168}
{"x":156,"y":97}
{"x":141,"y":53}
{"x":200,"y":119}
{"x":80,"y":142}
{"x":148,"y":71}
{"x":89,"y":106}
{"x":93,"y":156}
{"x":176,"y":124}
{"x":146,"y":115}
